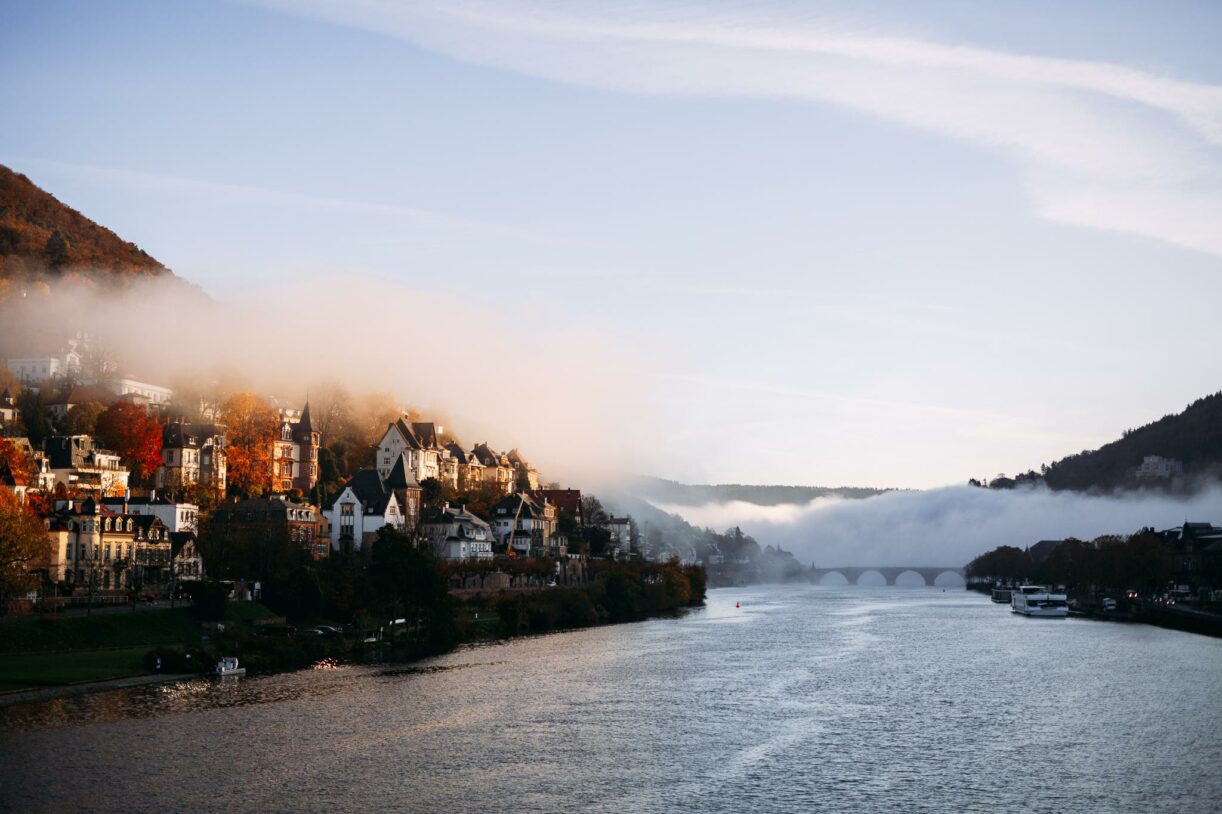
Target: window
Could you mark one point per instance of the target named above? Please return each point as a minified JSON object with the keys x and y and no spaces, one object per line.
{"x":68,"y":554}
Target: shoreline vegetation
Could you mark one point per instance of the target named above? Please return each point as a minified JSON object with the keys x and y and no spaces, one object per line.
{"x":396,"y":606}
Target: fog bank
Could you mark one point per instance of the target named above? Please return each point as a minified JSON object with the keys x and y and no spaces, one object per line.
{"x":519,"y":374}
{"x":947,"y":526}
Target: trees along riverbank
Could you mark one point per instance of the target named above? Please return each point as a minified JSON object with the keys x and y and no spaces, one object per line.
{"x":393,"y":605}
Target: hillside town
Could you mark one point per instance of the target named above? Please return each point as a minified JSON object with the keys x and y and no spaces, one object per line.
{"x":143,"y":493}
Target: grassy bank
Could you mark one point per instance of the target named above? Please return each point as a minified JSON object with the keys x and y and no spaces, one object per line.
{"x":104,"y":630}
{"x":59,"y":651}
{"x":20,"y":671}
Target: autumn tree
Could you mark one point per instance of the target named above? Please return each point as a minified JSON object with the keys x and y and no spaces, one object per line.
{"x":83,"y":418}
{"x":15,"y":460}
{"x":24,"y":546}
{"x":134,"y":435}
{"x":250,"y":431}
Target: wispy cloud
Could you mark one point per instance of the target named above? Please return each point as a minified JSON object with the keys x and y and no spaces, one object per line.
{"x":1099,"y":145}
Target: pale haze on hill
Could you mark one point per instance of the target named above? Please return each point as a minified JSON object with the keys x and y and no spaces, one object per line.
{"x":876,"y":243}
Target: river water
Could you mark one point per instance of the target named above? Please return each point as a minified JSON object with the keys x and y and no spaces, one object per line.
{"x":804,"y":698}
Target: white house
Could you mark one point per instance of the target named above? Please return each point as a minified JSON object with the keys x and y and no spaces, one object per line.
{"x":418,"y":442}
{"x":155,"y":394}
{"x":174,"y":516}
{"x":620,"y":529}
{"x":78,"y":462}
{"x":363,"y":506}
{"x":457,"y":534}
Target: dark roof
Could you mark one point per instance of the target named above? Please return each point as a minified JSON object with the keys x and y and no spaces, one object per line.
{"x":369,"y":489}
{"x":485,"y":455}
{"x":426,"y":431}
{"x":304,"y":427}
{"x":400,"y":477}
{"x":69,"y":451}
{"x":566,"y":500}
{"x":190,"y":436}
{"x":457,"y":452}
{"x":409,"y":435}
{"x":530,"y":507}
{"x":257,"y":509}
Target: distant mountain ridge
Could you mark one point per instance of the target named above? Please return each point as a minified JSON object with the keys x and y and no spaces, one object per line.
{"x":686,"y":494}
{"x":1192,"y":437}
{"x":43,"y":238}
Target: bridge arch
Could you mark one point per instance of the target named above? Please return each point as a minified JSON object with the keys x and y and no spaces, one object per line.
{"x":949,"y":579}
{"x":871,"y":576}
{"x":910,"y":578}
{"x":834,"y":578}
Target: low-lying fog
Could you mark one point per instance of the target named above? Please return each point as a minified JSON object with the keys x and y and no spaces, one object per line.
{"x":947,"y":526}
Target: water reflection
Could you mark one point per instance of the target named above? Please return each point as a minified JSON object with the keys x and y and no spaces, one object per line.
{"x":846,"y":699}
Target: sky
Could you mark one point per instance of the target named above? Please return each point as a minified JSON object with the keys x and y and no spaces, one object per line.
{"x":876,"y":244}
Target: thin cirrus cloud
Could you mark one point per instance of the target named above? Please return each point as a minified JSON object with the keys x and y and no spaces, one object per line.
{"x":1097,"y":144}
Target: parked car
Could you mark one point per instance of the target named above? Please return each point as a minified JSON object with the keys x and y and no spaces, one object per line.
{"x":1109,"y":604}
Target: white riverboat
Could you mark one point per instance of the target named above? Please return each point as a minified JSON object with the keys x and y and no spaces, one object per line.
{"x":1037,"y":600}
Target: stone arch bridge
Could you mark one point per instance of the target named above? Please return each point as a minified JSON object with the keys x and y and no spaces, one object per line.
{"x":853,"y":574}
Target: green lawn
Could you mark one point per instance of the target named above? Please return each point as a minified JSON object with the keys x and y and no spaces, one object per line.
{"x":25,"y":670}
{"x":110,"y":630}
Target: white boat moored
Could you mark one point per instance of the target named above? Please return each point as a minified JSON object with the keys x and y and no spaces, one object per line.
{"x":1037,"y":600}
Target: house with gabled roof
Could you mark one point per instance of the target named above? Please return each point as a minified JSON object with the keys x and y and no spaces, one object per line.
{"x":525,"y":524}
{"x":456,"y":534}
{"x":407,"y":490}
{"x":496,"y":467}
{"x":80,"y":463}
{"x":419,"y":441}
{"x":191,"y":454}
{"x":360,"y":508}
{"x":8,"y":407}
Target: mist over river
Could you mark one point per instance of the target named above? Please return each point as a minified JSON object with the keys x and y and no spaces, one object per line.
{"x":804,"y":698}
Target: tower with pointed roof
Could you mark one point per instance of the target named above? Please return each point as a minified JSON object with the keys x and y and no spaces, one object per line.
{"x":307,"y":440}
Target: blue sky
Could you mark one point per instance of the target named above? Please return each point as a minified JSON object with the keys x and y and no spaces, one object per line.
{"x":878,"y":244}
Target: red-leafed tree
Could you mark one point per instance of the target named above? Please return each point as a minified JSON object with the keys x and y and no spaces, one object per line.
{"x":134,"y":435}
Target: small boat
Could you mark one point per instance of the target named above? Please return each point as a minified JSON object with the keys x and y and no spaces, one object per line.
{"x":228,"y":667}
{"x":1002,"y":596}
{"x":1037,"y":600}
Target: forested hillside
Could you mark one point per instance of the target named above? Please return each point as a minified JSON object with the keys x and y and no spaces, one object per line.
{"x":41,"y":237}
{"x":1193,"y":437}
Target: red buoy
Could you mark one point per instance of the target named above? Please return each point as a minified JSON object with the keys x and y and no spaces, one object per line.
{"x":736,"y":604}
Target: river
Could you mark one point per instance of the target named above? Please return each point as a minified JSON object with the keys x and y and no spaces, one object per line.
{"x":848,"y":699}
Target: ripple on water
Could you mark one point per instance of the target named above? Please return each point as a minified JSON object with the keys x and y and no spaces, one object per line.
{"x":837,"y":699}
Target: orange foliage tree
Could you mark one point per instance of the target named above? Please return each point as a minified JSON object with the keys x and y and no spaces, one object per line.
{"x":13,"y":459}
{"x":250,"y":434}
{"x":134,"y":435}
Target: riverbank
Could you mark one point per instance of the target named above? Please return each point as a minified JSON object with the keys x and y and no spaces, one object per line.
{"x":52,"y":653}
{"x":29,"y":696}
{"x":1143,"y":612}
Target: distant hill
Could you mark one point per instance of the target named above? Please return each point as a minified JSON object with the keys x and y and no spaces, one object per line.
{"x":41,"y":238}
{"x":1193,"y":437}
{"x":684,"y":494}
